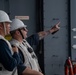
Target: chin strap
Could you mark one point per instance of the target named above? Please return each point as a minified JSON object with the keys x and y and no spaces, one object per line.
{"x":21,"y":33}
{"x":4,"y":28}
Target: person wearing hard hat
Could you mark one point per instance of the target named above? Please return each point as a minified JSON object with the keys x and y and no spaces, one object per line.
{"x":9,"y":59}
{"x":28,"y":67}
{"x":18,"y":32}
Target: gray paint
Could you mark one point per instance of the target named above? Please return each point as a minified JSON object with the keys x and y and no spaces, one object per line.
{"x":21,"y":8}
{"x":24,"y":8}
{"x":55,"y":46}
{"x":73,"y":25}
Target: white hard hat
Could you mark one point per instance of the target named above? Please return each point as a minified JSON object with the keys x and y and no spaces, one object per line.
{"x":4,"y":17}
{"x":17,"y":24}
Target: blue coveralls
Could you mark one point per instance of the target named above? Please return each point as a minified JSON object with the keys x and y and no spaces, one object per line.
{"x":8,"y":60}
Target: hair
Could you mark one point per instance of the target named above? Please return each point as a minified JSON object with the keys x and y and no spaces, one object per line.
{"x":12,"y":33}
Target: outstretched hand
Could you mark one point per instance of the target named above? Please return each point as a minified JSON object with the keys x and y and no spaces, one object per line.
{"x":55,"y":28}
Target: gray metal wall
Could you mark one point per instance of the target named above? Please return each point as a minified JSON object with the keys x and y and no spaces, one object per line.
{"x":56,"y":46}
{"x":73,"y":29}
{"x":24,"y":8}
{"x":21,"y":8}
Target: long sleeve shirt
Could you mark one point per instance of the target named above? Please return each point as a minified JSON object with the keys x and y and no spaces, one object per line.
{"x":8,"y":60}
{"x":33,"y":40}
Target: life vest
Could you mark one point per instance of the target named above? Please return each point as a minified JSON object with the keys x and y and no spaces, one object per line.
{"x":3,"y":71}
{"x":30,"y":59}
{"x":68,"y":67}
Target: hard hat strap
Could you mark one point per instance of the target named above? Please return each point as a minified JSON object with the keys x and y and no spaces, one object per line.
{"x":21,"y":33}
{"x":4,"y":28}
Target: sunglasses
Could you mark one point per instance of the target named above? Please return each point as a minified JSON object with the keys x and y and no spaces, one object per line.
{"x":24,"y":29}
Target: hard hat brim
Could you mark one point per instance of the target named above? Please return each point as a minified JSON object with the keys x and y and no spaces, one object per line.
{"x":7,"y":21}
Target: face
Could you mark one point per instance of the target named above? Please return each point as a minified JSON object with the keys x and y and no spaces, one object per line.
{"x":24,"y":32}
{"x":5,"y":28}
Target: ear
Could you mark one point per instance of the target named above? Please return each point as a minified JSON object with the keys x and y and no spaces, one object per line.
{"x":17,"y":32}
